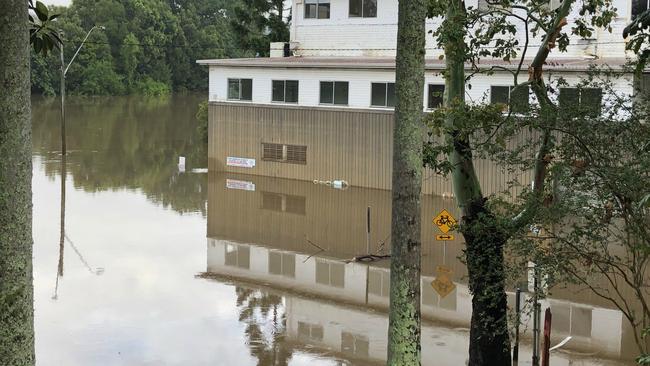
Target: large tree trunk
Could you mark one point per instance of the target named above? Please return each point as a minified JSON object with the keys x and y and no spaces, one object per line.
{"x":404,"y":319}
{"x":16,"y":288}
{"x":489,"y":340}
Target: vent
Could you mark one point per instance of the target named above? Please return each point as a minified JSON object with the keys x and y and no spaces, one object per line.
{"x":272,"y":152}
{"x":296,"y":154}
{"x":293,"y":154}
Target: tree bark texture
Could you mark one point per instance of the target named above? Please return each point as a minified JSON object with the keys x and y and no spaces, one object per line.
{"x":489,"y":339}
{"x":16,"y":287}
{"x":404,"y":318}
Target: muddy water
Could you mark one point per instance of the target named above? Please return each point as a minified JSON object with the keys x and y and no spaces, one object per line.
{"x":150,"y":266}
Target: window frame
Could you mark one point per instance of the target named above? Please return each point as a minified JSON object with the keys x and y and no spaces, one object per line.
{"x":318,"y":5}
{"x":363,"y":15}
{"x":385,"y":83}
{"x":581,"y":107}
{"x":333,"y":104}
{"x":284,"y":91}
{"x":239,"y":81}
{"x":428,"y":94}
{"x":509,"y":101}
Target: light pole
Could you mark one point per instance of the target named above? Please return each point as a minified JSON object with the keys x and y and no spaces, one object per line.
{"x":64,"y":71}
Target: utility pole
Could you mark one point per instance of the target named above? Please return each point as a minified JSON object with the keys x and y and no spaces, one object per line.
{"x":64,"y":71}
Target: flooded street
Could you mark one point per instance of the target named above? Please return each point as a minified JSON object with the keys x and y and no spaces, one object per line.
{"x":143,"y":265}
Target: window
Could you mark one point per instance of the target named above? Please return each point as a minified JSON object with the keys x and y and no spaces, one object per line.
{"x":285,"y":91}
{"x":355,"y":344}
{"x":436,"y":95}
{"x":382,"y":95}
{"x":237,"y":256}
{"x":284,"y":203}
{"x":639,"y":6}
{"x":294,"y":154}
{"x":518,"y":100}
{"x":334,"y":92}
{"x":240,"y":89}
{"x":585,"y":101}
{"x":309,"y":331}
{"x":363,"y":9}
{"x":282,"y":264}
{"x":330,"y":273}
{"x":317,"y":9}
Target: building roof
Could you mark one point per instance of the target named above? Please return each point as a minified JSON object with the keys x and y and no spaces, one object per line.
{"x":388,"y":63}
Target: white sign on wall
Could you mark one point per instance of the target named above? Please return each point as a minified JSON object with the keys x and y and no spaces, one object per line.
{"x":240,"y":184}
{"x":240,"y":162}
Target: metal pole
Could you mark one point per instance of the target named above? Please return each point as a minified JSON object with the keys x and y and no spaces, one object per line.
{"x":62,"y":91}
{"x":515,"y":351}
{"x":368,"y":230}
{"x":536,"y":318}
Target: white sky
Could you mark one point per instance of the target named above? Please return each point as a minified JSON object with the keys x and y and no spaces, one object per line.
{"x":56,"y":2}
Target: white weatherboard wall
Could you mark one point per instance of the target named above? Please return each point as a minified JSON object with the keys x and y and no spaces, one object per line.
{"x":360,"y":83}
{"x":341,"y":35}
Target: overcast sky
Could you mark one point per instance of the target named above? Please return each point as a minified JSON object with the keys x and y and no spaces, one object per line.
{"x":56,"y":2}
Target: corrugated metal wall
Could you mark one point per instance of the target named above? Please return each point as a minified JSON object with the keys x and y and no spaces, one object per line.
{"x":352,"y":145}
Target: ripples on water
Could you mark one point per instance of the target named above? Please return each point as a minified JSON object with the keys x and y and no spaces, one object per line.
{"x":132,"y":279}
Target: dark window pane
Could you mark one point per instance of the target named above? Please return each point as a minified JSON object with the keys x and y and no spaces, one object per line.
{"x":499,"y":95}
{"x":233,"y":88}
{"x":378,"y":95}
{"x":278,"y":91}
{"x":390,"y":95}
{"x":644,"y":85}
{"x":591,"y":101}
{"x":246,"y":89}
{"x":356,"y":8}
{"x":311,"y":7}
{"x":323,"y":11}
{"x":326,"y":92}
{"x":569,"y":100}
{"x":436,"y":93}
{"x":341,"y":93}
{"x":291,"y":91}
{"x":519,"y":99}
{"x":369,"y":8}
{"x":638,"y":7}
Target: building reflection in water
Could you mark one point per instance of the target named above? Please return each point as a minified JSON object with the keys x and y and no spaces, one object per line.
{"x":263,"y":231}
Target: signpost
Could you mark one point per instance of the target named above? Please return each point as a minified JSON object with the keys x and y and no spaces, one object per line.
{"x":445,"y":223}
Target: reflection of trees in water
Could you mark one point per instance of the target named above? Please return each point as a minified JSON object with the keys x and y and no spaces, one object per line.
{"x":265,"y":320}
{"x":128,"y":143}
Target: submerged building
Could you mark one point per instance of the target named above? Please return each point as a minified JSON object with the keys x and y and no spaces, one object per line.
{"x":321,"y":107}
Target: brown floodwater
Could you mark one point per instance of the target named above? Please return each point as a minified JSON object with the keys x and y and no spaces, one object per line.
{"x":141,"y":264}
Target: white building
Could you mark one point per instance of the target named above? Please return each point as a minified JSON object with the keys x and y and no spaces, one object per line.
{"x":341,"y":56}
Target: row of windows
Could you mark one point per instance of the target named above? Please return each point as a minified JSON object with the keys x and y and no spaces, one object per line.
{"x":320,"y":9}
{"x":586,"y":100}
{"x":331,"y":92}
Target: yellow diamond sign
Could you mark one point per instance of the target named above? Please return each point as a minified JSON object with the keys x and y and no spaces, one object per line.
{"x":444,"y":221}
{"x":443,"y":286}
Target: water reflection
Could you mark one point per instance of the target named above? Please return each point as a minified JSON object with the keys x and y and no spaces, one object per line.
{"x":336,"y":306}
{"x":126,"y":143}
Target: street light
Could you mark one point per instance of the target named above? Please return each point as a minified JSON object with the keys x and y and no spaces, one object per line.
{"x":64,"y":71}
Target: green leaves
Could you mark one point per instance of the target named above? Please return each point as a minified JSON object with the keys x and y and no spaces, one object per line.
{"x":42,"y":35}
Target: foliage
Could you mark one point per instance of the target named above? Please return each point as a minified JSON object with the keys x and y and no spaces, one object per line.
{"x":147,"y":46}
{"x":257,"y":23}
{"x":42,"y":35}
{"x":202,"y":118}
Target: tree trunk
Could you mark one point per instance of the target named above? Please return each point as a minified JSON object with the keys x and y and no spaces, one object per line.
{"x":404,"y":319}
{"x":16,"y":287}
{"x":489,"y":339}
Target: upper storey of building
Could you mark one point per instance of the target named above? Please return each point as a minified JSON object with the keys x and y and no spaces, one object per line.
{"x":369,"y":28}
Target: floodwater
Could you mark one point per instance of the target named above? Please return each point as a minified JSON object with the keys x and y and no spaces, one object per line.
{"x":143,"y":265}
